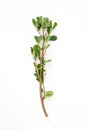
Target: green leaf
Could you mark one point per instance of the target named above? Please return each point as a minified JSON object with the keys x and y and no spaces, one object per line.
{"x":39,"y":19}
{"x":31,"y":50}
{"x":38,"y":39}
{"x":38,"y":79}
{"x":54,"y":26}
{"x":47,"y":61}
{"x":36,"y":48}
{"x":36,"y":51}
{"x":46,"y":38}
{"x":35,"y":74}
{"x":47,"y":46}
{"x":34,"y":63}
{"x":53,"y":38}
{"x":38,"y":25}
{"x":34,"y":22}
{"x":45,"y":23}
{"x":49,"y":27}
{"x":48,"y":94}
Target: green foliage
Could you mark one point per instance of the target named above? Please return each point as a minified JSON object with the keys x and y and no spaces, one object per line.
{"x":35,"y":51}
{"x":53,"y":38}
{"x":34,"y":22}
{"x":31,"y":50}
{"x":54,"y":25}
{"x":47,"y":46}
{"x":38,"y":39}
{"x":44,"y":27}
{"x":47,"y":61}
{"x":35,"y":65}
{"x":44,"y":23}
{"x":37,"y":71}
{"x":48,"y":94}
{"x":37,"y":23}
{"x":49,"y":27}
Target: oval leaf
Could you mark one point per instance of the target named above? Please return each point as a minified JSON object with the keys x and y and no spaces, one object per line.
{"x":31,"y":50}
{"x":54,"y":26}
{"x":34,"y":22}
{"x":47,"y":60}
{"x":36,"y":51}
{"x":48,"y":94}
{"x":38,"y":39}
{"x":53,"y":38}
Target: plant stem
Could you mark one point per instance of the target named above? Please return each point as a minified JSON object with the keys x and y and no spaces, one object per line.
{"x":41,"y":73}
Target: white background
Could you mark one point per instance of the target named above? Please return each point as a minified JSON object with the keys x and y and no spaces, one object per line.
{"x":20,"y":107}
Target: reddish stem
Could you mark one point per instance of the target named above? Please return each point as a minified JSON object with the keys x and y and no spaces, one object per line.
{"x":41,"y":73}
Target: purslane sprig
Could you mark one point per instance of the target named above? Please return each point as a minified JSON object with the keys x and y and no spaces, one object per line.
{"x":44,"y":27}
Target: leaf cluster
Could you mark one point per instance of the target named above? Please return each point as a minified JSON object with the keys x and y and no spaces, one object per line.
{"x":44,"y":24}
{"x":44,"y":28}
{"x":35,"y":51}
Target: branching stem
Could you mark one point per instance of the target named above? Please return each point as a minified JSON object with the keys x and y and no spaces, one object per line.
{"x":44,"y":27}
{"x":41,"y":73}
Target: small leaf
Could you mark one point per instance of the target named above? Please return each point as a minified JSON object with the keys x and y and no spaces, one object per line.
{"x":45,"y":23}
{"x":34,"y":64}
{"x":31,"y":50}
{"x":46,"y":38}
{"x":53,"y":38}
{"x":38,"y":25}
{"x":39,"y":19}
{"x":47,"y":61}
{"x":36,"y":51}
{"x":34,"y":22}
{"x":35,"y":74}
{"x":47,"y":46}
{"x":38,"y":66}
{"x":49,"y":27}
{"x":45,"y":19}
{"x":48,"y":94}
{"x":38,"y":79}
{"x":38,"y":39}
{"x":54,"y":26}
